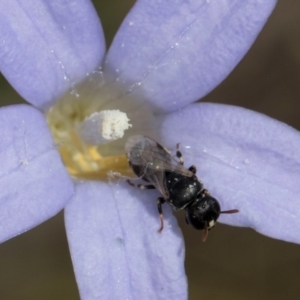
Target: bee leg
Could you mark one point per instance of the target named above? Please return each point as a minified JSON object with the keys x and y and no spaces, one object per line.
{"x":141,"y":186}
{"x":181,"y":160}
{"x":179,"y":155}
{"x":160,"y":201}
{"x":205,"y":192}
{"x":193,"y":169}
{"x":186,"y":220}
{"x":204,"y":234}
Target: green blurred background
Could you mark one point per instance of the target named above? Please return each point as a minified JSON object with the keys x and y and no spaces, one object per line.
{"x":235,"y":263}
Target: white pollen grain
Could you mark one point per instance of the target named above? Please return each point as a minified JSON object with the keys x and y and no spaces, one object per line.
{"x":103,"y":127}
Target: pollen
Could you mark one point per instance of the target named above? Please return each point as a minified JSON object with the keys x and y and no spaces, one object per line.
{"x":103,"y":127}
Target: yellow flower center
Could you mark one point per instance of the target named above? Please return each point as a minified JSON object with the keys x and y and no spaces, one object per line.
{"x":84,"y":160}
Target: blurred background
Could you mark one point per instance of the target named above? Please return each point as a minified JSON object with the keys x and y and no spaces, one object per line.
{"x":235,"y":263}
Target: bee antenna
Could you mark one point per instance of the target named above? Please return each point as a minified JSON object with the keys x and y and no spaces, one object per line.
{"x":232,"y":211}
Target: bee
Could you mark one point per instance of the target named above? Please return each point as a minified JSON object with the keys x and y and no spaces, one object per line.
{"x":177,"y":185}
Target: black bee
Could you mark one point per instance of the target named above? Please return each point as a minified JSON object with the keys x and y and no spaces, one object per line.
{"x":178,"y":186}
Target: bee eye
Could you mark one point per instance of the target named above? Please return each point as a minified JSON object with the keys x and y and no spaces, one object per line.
{"x":202,"y":206}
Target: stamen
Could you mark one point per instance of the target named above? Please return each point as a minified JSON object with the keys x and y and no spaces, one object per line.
{"x":103,"y":127}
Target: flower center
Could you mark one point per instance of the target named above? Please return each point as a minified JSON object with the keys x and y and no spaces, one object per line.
{"x":90,"y":126}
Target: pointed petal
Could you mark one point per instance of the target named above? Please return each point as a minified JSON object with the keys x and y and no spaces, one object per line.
{"x":34,"y":184}
{"x":173,"y":53}
{"x":246,"y":160}
{"x":46,"y":46}
{"x":116,"y":250}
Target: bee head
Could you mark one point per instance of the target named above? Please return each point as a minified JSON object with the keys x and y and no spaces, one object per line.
{"x":203,"y":213}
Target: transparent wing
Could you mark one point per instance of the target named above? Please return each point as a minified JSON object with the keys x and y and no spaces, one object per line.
{"x":153,"y":160}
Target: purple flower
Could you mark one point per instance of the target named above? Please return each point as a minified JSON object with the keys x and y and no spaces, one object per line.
{"x":165,"y":56}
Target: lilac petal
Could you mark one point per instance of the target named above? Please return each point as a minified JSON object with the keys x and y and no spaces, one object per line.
{"x":115,"y":247}
{"x":34,"y":184}
{"x":173,"y":53}
{"x":246,"y":160}
{"x":46,"y":46}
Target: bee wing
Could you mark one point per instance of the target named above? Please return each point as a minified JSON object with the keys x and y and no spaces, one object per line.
{"x":153,"y":160}
{"x":158,"y":180}
{"x":144,"y":151}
